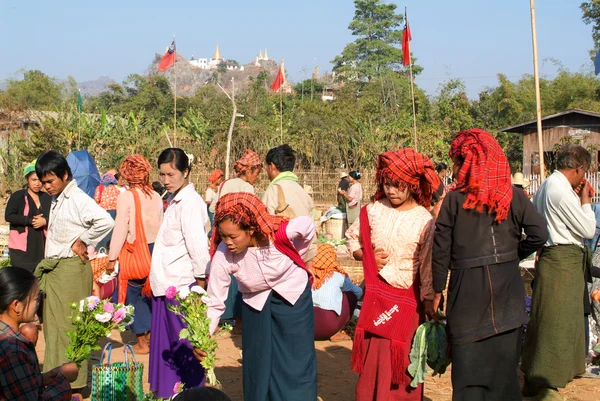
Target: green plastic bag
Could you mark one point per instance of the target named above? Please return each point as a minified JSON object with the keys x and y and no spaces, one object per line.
{"x":119,"y":381}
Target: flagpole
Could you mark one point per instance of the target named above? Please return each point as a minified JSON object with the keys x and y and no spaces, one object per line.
{"x":175,"y":96}
{"x":538,"y":100}
{"x":281,"y":103}
{"x":412,"y":87}
{"x":78,"y":120}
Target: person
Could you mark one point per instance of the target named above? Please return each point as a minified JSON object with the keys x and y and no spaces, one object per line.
{"x":478,"y":238}
{"x":353,"y":197}
{"x":264,"y":253}
{"x":343,"y":185}
{"x":20,"y":374}
{"x":554,"y":350}
{"x":334,"y":295}
{"x":215,"y":179}
{"x":592,"y":308}
{"x":106,"y":195}
{"x":247,"y":169}
{"x":141,"y":207}
{"x":121,"y":183}
{"x":65,"y":274}
{"x":442,"y":171}
{"x":162,"y":191}
{"x":279,"y":165}
{"x":393,"y":237}
{"x":519,"y":181}
{"x":180,"y":259}
{"x":27,"y":212}
{"x":201,"y":394}
{"x":7,"y":194}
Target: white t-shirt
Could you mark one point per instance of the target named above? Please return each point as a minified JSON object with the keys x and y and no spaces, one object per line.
{"x":210,"y":195}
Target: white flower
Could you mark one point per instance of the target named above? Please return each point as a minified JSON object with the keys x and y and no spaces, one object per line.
{"x":103,"y":317}
{"x":198,"y":290}
{"x":184,"y":292}
{"x":81,"y":304}
{"x":129,"y":309}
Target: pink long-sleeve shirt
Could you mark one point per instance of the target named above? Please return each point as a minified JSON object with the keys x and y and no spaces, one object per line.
{"x":259,"y":270}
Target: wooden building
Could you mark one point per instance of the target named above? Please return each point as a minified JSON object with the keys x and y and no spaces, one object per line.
{"x":576,"y":126}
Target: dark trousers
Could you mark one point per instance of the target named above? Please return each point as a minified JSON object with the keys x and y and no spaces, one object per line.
{"x":486,"y":370}
{"x":233,"y":303}
{"x":278,"y":349}
{"x":142,"y":316}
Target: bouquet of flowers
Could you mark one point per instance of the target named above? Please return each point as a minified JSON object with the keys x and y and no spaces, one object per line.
{"x":192,"y":310}
{"x":93,"y":319}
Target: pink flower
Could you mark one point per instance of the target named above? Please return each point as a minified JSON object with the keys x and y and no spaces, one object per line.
{"x":109,"y":307}
{"x":120,"y":314}
{"x":176,"y":387}
{"x":170,"y":292}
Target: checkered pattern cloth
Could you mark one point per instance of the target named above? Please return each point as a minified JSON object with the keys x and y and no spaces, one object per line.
{"x":20,"y":374}
{"x":248,"y":161}
{"x":411,"y":168}
{"x":244,"y":208}
{"x":485,"y":174}
{"x":325,"y":264}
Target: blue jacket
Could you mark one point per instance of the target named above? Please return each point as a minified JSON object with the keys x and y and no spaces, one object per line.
{"x":593,"y":243}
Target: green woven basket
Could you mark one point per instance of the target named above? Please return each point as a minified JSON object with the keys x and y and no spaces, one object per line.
{"x":119,"y":381}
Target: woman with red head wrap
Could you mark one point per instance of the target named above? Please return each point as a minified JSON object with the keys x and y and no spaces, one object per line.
{"x":393,"y":237}
{"x":264,"y":253}
{"x":478,"y":238}
{"x":139,"y":215}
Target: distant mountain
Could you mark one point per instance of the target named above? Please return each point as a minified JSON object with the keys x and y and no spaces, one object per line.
{"x":92,"y":88}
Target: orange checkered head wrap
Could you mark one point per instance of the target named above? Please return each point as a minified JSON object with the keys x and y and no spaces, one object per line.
{"x":215,"y":175}
{"x":325,"y":264}
{"x":484,"y":174}
{"x":248,"y":161}
{"x":408,"y":168}
{"x":244,"y":209}
{"x":136,"y":170}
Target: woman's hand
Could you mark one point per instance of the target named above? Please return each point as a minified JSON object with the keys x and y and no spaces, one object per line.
{"x":381,"y":258}
{"x":48,"y":376}
{"x":430,"y":310}
{"x":38,"y":221}
{"x":437,"y":300}
{"x":70,"y":371}
{"x":199,"y":354}
{"x":110,"y":267}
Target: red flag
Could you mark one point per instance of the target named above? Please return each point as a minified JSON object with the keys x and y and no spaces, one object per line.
{"x":279,"y":79}
{"x":406,"y":38}
{"x":169,"y":58}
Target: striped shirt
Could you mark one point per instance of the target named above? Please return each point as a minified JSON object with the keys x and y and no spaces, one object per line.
{"x":259,"y":270}
{"x":73,"y":215}
{"x":329,"y":296}
{"x":180,"y":252}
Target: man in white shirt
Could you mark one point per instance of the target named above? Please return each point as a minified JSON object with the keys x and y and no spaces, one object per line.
{"x":555,"y":346}
{"x":65,"y":275}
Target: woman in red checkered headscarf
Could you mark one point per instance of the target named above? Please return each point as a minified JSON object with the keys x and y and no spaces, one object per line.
{"x":478,"y":238}
{"x":264,"y":254}
{"x":393,"y":238}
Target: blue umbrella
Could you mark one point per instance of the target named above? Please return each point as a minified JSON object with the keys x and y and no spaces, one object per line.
{"x":84,"y":171}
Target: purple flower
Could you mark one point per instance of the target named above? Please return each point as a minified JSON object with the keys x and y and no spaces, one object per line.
{"x":109,"y":307}
{"x":92,"y":302}
{"x":170,"y":292}
{"x":120,"y":314}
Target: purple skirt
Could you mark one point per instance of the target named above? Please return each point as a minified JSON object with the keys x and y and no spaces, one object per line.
{"x":171,"y":359}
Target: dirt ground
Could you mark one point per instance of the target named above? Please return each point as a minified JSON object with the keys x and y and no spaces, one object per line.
{"x":336,"y":380}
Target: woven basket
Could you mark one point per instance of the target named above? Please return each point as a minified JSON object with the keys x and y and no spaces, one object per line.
{"x":334,"y":228}
{"x":354,"y":268}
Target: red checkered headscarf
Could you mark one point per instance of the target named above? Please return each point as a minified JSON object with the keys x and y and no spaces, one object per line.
{"x":136,"y":170}
{"x":215,"y":175}
{"x":248,"y":161}
{"x":244,"y":208}
{"x":485,"y":174}
{"x":409,"y":167}
{"x":325,"y":264}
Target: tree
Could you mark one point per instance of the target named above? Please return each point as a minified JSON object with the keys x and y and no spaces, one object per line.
{"x":591,"y":16}
{"x":377,"y":48}
{"x":35,"y":91}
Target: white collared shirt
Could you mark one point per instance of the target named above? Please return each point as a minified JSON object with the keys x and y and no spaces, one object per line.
{"x":73,"y":215}
{"x":568,"y":221}
{"x":180,"y":252}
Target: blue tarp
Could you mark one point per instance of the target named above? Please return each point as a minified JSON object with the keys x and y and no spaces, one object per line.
{"x":84,"y":171}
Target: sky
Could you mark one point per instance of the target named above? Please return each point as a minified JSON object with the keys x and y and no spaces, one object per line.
{"x":469,"y":39}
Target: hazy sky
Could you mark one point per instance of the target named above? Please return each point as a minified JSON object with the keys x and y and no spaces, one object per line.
{"x":469,"y":39}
